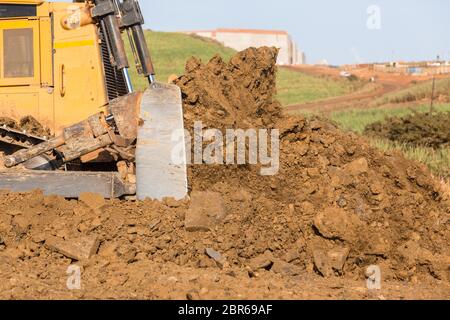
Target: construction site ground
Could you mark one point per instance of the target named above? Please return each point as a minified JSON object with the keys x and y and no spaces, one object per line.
{"x":337,"y":212}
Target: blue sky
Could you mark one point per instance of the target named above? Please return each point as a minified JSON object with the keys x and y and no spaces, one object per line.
{"x":325,"y":29}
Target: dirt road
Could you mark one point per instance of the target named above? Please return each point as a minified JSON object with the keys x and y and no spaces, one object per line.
{"x":385,"y":83}
{"x":354,"y":100}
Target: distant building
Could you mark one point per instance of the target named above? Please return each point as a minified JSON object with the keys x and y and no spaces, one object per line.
{"x":241,"y":39}
{"x":424,"y":68}
{"x":322,"y":62}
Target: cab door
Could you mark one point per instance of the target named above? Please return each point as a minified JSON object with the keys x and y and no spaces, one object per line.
{"x":20,"y":90}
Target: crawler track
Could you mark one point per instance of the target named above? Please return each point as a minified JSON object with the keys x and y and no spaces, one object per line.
{"x":18,"y":139}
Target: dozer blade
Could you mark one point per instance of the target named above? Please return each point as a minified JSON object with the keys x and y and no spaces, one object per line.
{"x":160,"y":152}
{"x":66,"y":184}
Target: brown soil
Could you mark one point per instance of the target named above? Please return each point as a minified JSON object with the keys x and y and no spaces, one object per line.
{"x":27,"y":124}
{"x":237,"y":94}
{"x":336,"y":207}
{"x":419,"y":129}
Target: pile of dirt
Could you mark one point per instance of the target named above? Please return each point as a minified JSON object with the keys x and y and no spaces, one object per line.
{"x":336,"y":207}
{"x":419,"y":129}
{"x":238,"y":94}
{"x":27,"y":124}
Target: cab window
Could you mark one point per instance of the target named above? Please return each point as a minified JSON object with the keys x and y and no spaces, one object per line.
{"x":18,"y":60}
{"x":17,"y":10}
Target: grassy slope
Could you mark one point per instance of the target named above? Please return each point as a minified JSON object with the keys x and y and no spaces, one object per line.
{"x":171,"y":50}
{"x":415,"y":93}
{"x":295,"y":87}
{"x":356,"y":120}
{"x":437,"y":160}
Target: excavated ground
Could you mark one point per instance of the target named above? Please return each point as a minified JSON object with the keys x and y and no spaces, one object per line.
{"x":336,"y":207}
{"x":429,"y":130}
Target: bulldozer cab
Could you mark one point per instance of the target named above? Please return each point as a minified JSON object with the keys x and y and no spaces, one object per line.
{"x":65,"y":65}
{"x":48,"y":72}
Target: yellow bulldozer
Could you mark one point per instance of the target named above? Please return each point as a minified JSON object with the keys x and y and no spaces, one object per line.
{"x":64,"y":65}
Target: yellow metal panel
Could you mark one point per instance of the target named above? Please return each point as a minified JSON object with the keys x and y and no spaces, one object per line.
{"x":72,"y":44}
{"x":43,"y":10}
{"x":1,"y":56}
{"x":46,"y":52}
{"x":37,"y":2}
{"x":19,"y":102}
{"x":46,"y":114}
{"x":79,"y":79}
{"x":16,"y":23}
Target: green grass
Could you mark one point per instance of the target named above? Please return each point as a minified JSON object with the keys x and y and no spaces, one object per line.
{"x":357,"y":120}
{"x":295,"y":87}
{"x":170,"y":51}
{"x":437,"y":160}
{"x":416,"y":92}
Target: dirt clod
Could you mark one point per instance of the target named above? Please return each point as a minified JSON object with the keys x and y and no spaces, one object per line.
{"x":26,"y":124}
{"x":328,"y":263}
{"x":79,"y":249}
{"x":428,"y":130}
{"x":205,"y":212}
{"x":216,"y":256}
{"x":31,"y":126}
{"x":287,"y":269}
{"x":336,"y":223}
{"x":93,"y":201}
